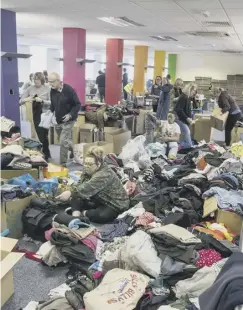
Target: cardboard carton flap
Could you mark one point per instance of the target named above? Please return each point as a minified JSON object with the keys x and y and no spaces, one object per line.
{"x":87,"y":126}
{"x":210,"y":205}
{"x":7,"y":244}
{"x":8,"y":262}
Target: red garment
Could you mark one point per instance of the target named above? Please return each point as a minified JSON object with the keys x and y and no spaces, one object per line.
{"x":145,"y":219}
{"x":208,"y":258}
{"x":91,"y":242}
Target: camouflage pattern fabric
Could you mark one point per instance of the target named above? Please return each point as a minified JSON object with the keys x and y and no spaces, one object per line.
{"x":104,"y":187}
{"x":96,"y":117}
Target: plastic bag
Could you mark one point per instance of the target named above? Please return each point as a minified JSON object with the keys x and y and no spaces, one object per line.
{"x":133,"y":149}
{"x":23,"y":181}
{"x":49,"y":186}
{"x":78,"y":153}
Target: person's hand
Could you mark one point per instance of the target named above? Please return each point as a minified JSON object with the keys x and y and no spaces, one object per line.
{"x":66,"y":118}
{"x":28,"y":99}
{"x":64,"y":196}
{"x":38,"y":99}
{"x":190,"y":121}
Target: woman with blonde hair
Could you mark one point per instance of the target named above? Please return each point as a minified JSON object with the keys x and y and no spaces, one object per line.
{"x":37,"y":100}
{"x":175,"y":93}
{"x":99,"y":194}
{"x":184,"y":114}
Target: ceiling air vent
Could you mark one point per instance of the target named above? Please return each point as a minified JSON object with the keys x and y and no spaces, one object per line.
{"x":163,"y":38}
{"x":232,"y":52}
{"x":216,"y":24}
{"x":121,"y":21}
{"x":130,"y":22}
{"x":209,"y":34}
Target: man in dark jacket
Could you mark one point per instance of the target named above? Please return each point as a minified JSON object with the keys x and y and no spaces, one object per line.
{"x":100,"y":81}
{"x":124,"y":82}
{"x":66,"y":105}
{"x":227,"y":104}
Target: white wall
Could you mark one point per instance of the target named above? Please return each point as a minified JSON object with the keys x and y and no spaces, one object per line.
{"x":216,"y":66}
{"x":24,"y":67}
{"x":38,"y":61}
{"x":52,"y":64}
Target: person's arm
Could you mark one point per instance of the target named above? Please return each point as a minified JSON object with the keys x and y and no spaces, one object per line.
{"x":52,"y":107}
{"x":47,"y":102}
{"x":92,"y":187}
{"x":26,"y":96}
{"x":75,"y":104}
{"x":174,"y":138}
{"x":224,"y":103}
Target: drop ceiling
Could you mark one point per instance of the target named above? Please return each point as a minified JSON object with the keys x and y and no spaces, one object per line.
{"x":41,"y":22}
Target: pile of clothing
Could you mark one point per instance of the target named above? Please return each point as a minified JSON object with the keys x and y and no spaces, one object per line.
{"x":162,"y":253}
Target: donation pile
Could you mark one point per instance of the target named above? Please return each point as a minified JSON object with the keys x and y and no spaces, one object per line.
{"x":176,"y":247}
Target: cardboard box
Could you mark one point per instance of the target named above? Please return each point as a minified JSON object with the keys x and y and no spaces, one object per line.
{"x":118,"y":138}
{"x":8,"y":260}
{"x":218,"y":121}
{"x":107,"y":147}
{"x":88,"y":133}
{"x":140,"y":122}
{"x":81,"y":119}
{"x":76,"y":133}
{"x":231,"y":220}
{"x":202,"y":130}
{"x":9,"y":174}
{"x":11,"y":213}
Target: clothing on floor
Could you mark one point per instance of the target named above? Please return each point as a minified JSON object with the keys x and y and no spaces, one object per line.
{"x":79,"y":234}
{"x":145,"y":219}
{"x":55,"y":303}
{"x":59,"y":291}
{"x":226,"y":292}
{"x":64,"y":135}
{"x":50,"y":255}
{"x":208,"y":258}
{"x":110,"y":231}
{"x":170,"y":266}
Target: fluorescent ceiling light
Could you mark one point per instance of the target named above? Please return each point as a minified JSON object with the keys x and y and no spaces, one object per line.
{"x":120,"y":21}
{"x":163,"y":38}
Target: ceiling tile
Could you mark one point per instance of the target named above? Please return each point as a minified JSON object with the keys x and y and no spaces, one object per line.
{"x":199,"y":5}
{"x":232,"y":4}
{"x":159,"y":4}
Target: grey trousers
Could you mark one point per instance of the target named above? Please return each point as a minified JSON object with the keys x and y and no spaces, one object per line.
{"x":64,"y":133}
{"x":171,"y":148}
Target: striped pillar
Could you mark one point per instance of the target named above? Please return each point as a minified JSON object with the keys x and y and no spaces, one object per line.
{"x":172,"y":60}
{"x":74,"y":46}
{"x":140,"y":62}
{"x":159,"y":63}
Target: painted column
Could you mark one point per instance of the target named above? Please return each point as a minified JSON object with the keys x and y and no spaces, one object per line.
{"x":113,"y":81}
{"x":74,"y":46}
{"x":140,"y":62}
{"x":159,"y":63}
{"x":52,"y":64}
{"x":9,"y":78}
{"x":172,"y":61}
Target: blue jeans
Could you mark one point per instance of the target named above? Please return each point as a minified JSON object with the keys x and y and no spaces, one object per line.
{"x":185,"y":139}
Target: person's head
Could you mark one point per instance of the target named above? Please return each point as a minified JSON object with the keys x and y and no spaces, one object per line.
{"x":168,"y":76}
{"x":93,"y":160}
{"x":179,"y":83}
{"x":100,"y":72}
{"x":158,"y":80}
{"x":171,"y":118}
{"x":165,"y":81}
{"x":31,"y":77}
{"x":45,"y":72}
{"x":54,"y":80}
{"x":124,"y":70}
{"x":190,"y":90}
{"x":39,"y":79}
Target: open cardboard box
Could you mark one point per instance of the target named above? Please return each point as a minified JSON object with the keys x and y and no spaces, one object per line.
{"x":88,"y":133}
{"x":118,"y":138}
{"x":9,"y":174}
{"x":218,"y":120}
{"x":230,"y":219}
{"x":8,"y":260}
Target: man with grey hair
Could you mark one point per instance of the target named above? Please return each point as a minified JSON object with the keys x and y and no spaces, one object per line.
{"x":65,"y":105}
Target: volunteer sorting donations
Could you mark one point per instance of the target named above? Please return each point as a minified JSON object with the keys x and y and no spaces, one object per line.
{"x":151,"y":220}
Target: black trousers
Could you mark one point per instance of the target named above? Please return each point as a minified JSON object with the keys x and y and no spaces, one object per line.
{"x":124,"y":93}
{"x":155,"y":106}
{"x":102,"y":93}
{"x":95,"y":212}
{"x":42,"y":134}
{"x":230,"y":124}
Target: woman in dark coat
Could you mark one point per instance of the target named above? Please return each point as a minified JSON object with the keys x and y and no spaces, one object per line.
{"x":155,"y":91}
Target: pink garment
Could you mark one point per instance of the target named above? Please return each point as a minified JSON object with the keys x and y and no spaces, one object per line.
{"x":91,"y":241}
{"x":48,"y":233}
{"x":145,"y":219}
{"x":130,"y":187}
{"x":97,"y":274}
{"x":208,"y":258}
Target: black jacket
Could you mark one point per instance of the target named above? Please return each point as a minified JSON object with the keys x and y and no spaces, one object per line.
{"x":125,"y":79}
{"x":183,"y":108}
{"x":100,"y":80}
{"x":65,"y":102}
{"x":227,"y":103}
{"x":156,"y":89}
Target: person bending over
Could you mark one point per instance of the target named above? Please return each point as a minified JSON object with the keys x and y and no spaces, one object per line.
{"x":228,"y":104}
{"x":99,"y":194}
{"x":168,"y":134}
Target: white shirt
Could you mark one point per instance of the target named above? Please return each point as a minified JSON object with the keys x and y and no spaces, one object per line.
{"x":170,"y":129}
